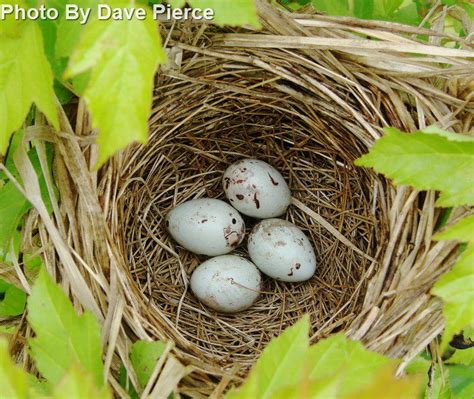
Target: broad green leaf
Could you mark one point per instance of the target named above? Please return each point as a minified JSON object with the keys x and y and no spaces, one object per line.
{"x":123,"y":57}
{"x":463,"y":231}
{"x":449,"y":135}
{"x":427,"y":162}
{"x":338,"y":354}
{"x":463,"y":356}
{"x":280,"y":364}
{"x":241,"y":12}
{"x":78,"y":384}
{"x":315,"y":389}
{"x":12,"y":300}
{"x":25,"y":78}
{"x":461,"y":380}
{"x":144,"y":355}
{"x":62,"y":337}
{"x":13,"y":380}
{"x":385,"y":385}
{"x":455,"y":288}
{"x":70,"y":30}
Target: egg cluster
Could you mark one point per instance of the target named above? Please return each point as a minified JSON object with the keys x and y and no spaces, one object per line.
{"x":208,"y":226}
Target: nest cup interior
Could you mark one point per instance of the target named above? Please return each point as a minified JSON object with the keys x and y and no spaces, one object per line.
{"x":202,"y":124}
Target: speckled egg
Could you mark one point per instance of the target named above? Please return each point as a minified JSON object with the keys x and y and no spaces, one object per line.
{"x":206,"y":226}
{"x":256,"y":189}
{"x":282,"y":251}
{"x":226,"y":283}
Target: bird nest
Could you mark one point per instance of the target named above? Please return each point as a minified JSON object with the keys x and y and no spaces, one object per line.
{"x":279,"y":95}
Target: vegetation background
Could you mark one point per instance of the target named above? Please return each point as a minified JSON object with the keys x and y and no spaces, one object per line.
{"x":43,"y":63}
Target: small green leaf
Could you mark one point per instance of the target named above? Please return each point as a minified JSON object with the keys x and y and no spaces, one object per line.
{"x":78,"y":384}
{"x":463,"y":231}
{"x":13,"y":380}
{"x":125,"y":383}
{"x":25,"y":78}
{"x":338,"y":354}
{"x":62,"y":337}
{"x":241,"y":12}
{"x":280,"y":364}
{"x":455,"y":289}
{"x":144,"y":355}
{"x":123,"y":57}
{"x":13,"y":206}
{"x":12,"y":300}
{"x":427,"y":162}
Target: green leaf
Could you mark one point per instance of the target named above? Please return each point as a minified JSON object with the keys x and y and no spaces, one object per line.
{"x":123,"y":56}
{"x":364,"y":9}
{"x":332,"y":7}
{"x":25,"y":78}
{"x":125,"y":383}
{"x":144,"y":355}
{"x":77,"y":383}
{"x":62,"y":337}
{"x":315,"y":389}
{"x":12,"y":300}
{"x":13,"y":205}
{"x":384,"y":384}
{"x":427,"y":162}
{"x":13,"y":380}
{"x":463,"y":231}
{"x":455,"y":289}
{"x":439,"y":387}
{"x":338,"y":354}
{"x":69,"y":31}
{"x":461,"y":381}
{"x":280,"y":364}
{"x":241,"y":12}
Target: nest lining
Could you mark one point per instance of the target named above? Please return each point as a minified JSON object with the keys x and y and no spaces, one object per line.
{"x":186,"y":158}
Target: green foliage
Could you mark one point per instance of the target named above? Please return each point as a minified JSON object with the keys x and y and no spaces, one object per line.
{"x":144,"y":355}
{"x":62,"y":337}
{"x":241,"y":12}
{"x":333,"y":367}
{"x":12,"y":300}
{"x":25,"y":78}
{"x":79,"y":384}
{"x":455,"y":288}
{"x":279,"y":365}
{"x":13,"y":380}
{"x":13,"y":205}
{"x":337,"y":354}
{"x":389,"y":10}
{"x":427,"y":162}
{"x":437,"y":160}
{"x":123,"y":57}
